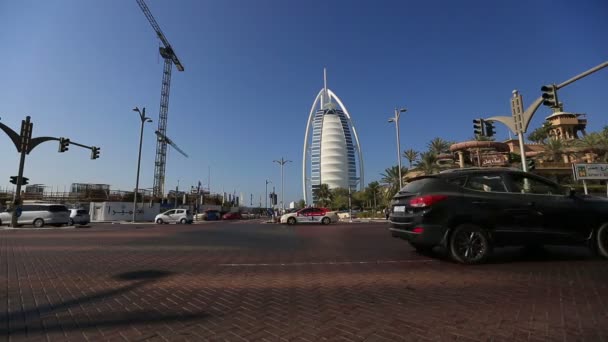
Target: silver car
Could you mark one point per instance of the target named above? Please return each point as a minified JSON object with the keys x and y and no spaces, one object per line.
{"x":182,"y":216}
{"x":39,"y":214}
{"x":79,"y":216}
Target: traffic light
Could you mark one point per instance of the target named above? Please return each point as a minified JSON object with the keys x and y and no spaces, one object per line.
{"x":490,"y":129}
{"x":24,"y":180}
{"x":479,"y":127}
{"x":531,"y":164}
{"x":550,"y":96}
{"x":95,"y":152}
{"x":63,"y":144}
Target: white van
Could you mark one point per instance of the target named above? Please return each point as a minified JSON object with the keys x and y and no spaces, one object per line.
{"x":39,"y":214}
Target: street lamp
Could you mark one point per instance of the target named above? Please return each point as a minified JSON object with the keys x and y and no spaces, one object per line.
{"x":395,"y":119}
{"x":144,"y":119}
{"x":267,"y":182}
{"x":282,"y":162}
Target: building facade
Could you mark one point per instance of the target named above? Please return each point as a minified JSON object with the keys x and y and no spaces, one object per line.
{"x":332,"y":153}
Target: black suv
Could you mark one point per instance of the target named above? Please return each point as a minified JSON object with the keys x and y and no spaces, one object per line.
{"x":470,"y":211}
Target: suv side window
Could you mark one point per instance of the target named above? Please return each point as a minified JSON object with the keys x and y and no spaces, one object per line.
{"x":459,"y":181}
{"x":486,"y":183}
{"x":528,"y":185}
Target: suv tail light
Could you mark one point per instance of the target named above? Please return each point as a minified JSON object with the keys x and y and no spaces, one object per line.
{"x":426,"y":201}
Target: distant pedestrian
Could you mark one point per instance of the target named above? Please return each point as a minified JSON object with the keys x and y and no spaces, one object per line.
{"x":386,"y":213}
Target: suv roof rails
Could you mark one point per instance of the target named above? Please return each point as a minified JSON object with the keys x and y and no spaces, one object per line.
{"x":479,"y":168}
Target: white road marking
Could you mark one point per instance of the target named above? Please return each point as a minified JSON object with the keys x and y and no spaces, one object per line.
{"x":331,"y":263}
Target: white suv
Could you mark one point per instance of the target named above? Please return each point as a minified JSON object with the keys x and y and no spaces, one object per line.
{"x":182,"y":216}
{"x":39,"y":214}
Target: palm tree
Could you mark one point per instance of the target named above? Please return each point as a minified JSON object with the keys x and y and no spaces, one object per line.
{"x":482,"y":138}
{"x":428,"y":163}
{"x":390,"y":177}
{"x":553,"y":149}
{"x":439,"y":146}
{"x":411,"y":155}
{"x":324,"y":195}
{"x":372,"y":190}
{"x":595,"y":143}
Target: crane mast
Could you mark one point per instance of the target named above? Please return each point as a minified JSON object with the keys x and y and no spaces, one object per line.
{"x":167,"y":53}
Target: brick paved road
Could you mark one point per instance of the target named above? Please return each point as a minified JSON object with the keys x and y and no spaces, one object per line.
{"x":263,"y":282}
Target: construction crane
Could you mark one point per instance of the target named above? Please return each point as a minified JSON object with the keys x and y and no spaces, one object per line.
{"x":167,"y":53}
{"x":170,"y":142}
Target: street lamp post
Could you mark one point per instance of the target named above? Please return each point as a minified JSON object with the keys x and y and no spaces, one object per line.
{"x":144,"y":119}
{"x":282,"y":162}
{"x":267,"y":182}
{"x":395,"y":119}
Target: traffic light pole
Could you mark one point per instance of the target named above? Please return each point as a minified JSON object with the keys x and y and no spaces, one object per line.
{"x":17,"y":195}
{"x":25,"y":144}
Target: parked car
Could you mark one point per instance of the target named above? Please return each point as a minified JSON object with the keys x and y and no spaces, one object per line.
{"x":211,"y":215}
{"x":469,"y":212}
{"x":79,"y":216}
{"x":182,"y":216}
{"x":39,"y":215}
{"x":345,"y":214}
{"x":231,"y":216}
{"x":310,"y":215}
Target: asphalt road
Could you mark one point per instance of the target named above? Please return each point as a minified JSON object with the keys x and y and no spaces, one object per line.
{"x":247,"y":281}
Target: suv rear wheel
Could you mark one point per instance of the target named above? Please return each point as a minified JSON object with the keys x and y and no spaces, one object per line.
{"x":469,"y":244}
{"x":600,"y":242}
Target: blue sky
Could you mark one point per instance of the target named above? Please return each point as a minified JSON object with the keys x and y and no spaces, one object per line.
{"x":253,"y":69}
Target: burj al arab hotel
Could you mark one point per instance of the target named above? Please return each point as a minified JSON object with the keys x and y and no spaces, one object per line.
{"x":332,"y":153}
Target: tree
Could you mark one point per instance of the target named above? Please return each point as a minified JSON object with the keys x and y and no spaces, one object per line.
{"x":553,"y":149}
{"x":540,"y":134}
{"x":428,"y":163}
{"x":482,"y":138}
{"x":301,"y":204}
{"x":390,"y":177}
{"x":595,"y":143}
{"x":339,"y":199}
{"x":373,"y":192}
{"x":439,"y":146}
{"x":411,"y":155}
{"x":324,"y":195}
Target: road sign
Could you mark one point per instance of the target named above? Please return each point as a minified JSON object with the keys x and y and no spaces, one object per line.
{"x":590,"y":171}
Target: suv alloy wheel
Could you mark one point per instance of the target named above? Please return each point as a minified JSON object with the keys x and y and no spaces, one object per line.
{"x":469,"y":244}
{"x":600,"y":242}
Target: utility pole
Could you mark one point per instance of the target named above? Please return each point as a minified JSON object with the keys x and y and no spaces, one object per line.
{"x":282,"y":162}
{"x":395,"y":119}
{"x":144,"y":119}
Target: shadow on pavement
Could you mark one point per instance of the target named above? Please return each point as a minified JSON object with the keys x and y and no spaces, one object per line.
{"x":542,"y":254}
{"x":55,"y":311}
{"x":514,"y":255}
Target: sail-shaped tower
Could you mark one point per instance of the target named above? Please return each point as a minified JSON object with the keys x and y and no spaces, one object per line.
{"x":332,"y":153}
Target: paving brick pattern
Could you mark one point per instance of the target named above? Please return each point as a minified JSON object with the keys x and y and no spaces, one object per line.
{"x":265,"y":282}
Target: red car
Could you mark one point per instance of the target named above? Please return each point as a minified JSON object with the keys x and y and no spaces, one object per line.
{"x":231,"y":216}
